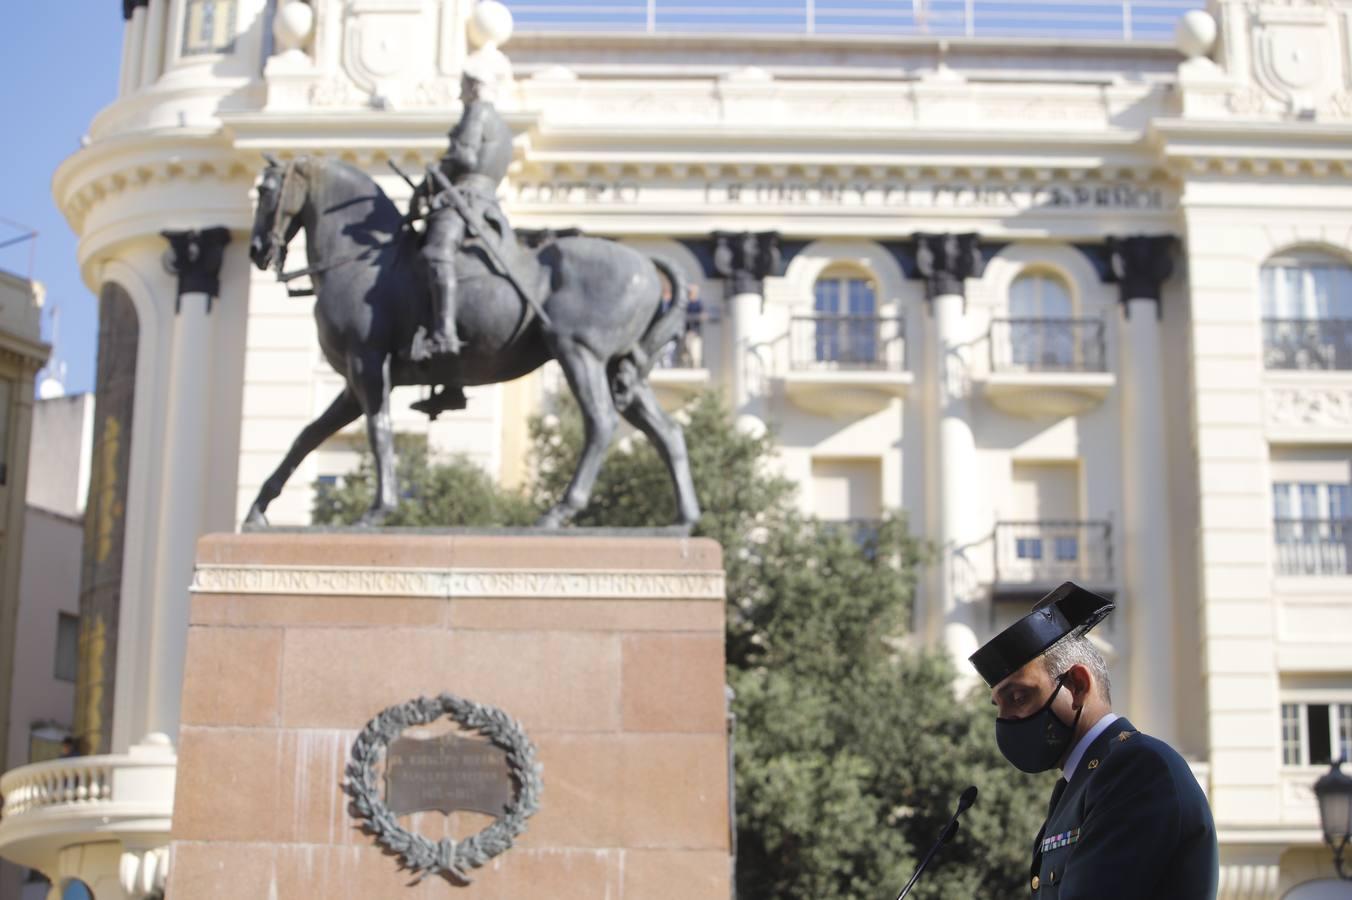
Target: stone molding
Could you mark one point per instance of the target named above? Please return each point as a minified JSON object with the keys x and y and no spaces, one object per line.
{"x":744,"y":260}
{"x":455,"y":583}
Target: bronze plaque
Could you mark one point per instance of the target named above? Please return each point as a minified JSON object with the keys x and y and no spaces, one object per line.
{"x":446,"y":773}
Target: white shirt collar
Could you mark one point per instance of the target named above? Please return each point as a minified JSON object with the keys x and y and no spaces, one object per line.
{"x":1073,"y":761}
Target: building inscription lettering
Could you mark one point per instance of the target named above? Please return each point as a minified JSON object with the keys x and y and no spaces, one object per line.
{"x":863,"y":194}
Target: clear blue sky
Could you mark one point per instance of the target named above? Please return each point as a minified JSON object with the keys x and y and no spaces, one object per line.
{"x":58,"y":66}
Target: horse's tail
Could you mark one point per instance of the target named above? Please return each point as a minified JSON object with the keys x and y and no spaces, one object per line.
{"x":666,"y":326}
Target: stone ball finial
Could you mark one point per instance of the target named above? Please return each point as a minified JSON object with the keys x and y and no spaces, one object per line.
{"x":1195,"y":33}
{"x":490,"y":24}
{"x":292,"y":25}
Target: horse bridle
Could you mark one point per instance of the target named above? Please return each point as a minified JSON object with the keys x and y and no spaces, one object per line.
{"x":281,"y":217}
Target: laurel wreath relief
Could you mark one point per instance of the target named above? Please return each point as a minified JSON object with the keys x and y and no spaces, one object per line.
{"x":446,"y":857}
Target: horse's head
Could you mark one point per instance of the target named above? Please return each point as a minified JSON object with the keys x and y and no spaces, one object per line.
{"x":281,"y":196}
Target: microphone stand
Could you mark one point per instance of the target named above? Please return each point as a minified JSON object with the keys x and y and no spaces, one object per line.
{"x":967,"y":799}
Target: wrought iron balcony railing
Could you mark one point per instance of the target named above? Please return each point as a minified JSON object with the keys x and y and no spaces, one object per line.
{"x":1083,"y":19}
{"x":1040,"y":555}
{"x":1313,"y":546}
{"x":688,"y":350}
{"x":1048,"y":345}
{"x":1313,"y":344}
{"x":847,"y":343}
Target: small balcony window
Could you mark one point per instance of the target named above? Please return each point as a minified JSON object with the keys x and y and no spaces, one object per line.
{"x":1315,"y":734}
{"x":208,"y":27}
{"x":1032,"y":557}
{"x":1312,"y":528}
{"x":1307,"y":312}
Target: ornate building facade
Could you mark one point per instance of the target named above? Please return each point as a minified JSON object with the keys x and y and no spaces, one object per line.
{"x":1079,"y":307}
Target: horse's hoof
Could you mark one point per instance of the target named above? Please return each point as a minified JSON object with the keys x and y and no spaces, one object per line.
{"x":374,"y":517}
{"x":553,"y":519}
{"x":256,"y":518}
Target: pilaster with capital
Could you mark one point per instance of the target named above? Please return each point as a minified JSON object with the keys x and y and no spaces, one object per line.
{"x":1141,"y":264}
{"x":744,"y":260}
{"x":945,"y":262}
{"x":195,"y":256}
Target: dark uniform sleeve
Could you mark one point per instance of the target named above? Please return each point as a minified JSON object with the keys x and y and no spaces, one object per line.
{"x":1131,"y":828}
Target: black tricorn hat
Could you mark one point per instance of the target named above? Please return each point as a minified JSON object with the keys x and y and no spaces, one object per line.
{"x":1068,"y":610}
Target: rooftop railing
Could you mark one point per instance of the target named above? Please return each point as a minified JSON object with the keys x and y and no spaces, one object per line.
{"x":1124,"y":20}
{"x":1043,"y":554}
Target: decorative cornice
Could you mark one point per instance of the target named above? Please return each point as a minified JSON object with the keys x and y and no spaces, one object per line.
{"x":1310,"y":407}
{"x":195,"y":257}
{"x":562,"y":584}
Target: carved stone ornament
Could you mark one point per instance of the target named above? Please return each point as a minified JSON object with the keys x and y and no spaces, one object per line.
{"x":746,"y":259}
{"x":1141,"y":264}
{"x":946,"y":261}
{"x":447,"y":857}
{"x":377,"y":38}
{"x":195,"y":257}
{"x":1305,"y":407}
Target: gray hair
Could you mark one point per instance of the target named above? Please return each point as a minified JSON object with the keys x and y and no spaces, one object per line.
{"x":1078,"y":651}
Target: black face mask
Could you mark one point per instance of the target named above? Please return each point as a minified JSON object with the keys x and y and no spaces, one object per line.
{"x":1037,"y":742}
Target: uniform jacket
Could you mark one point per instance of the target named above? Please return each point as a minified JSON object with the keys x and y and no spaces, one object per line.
{"x":1132,"y":824}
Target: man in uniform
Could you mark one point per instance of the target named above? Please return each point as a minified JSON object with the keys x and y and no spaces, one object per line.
{"x":1127,"y":819}
{"x":474,"y":164}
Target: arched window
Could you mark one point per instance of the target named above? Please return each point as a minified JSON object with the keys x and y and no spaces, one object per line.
{"x":1043,"y":333}
{"x":1307,"y":311}
{"x":845,"y":308}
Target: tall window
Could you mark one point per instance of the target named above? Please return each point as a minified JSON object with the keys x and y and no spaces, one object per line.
{"x":1307,"y":311}
{"x":1312,"y":527}
{"x":1041,"y":331}
{"x":67,"y":646}
{"x":208,"y":27}
{"x":1315,"y":734}
{"x":846,"y":308}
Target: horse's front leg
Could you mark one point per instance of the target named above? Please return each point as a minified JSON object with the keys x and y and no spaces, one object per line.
{"x":370,"y":381}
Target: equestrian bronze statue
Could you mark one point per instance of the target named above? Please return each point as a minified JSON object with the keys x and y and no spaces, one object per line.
{"x":592,"y":304}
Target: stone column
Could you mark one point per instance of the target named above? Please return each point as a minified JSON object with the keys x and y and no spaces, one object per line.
{"x":133,"y":44}
{"x":152,"y":53}
{"x":1141,"y":265}
{"x":195,"y":257}
{"x":945,"y":261}
{"x":744,"y":261}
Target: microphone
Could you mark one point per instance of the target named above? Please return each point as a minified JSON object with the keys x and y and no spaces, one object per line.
{"x":964,"y":803}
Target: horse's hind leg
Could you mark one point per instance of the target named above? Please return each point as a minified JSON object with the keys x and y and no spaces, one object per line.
{"x":645,"y":414}
{"x":587,"y":378}
{"x":369,"y":376}
{"x":342,"y":411}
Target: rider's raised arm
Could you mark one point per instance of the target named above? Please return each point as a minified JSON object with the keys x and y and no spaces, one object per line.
{"x":467,"y":138}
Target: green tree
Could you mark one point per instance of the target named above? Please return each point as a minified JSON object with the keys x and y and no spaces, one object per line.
{"x":450,"y":492}
{"x":852,"y":747}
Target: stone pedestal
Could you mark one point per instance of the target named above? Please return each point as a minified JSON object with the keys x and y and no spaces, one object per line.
{"x":608,"y":650}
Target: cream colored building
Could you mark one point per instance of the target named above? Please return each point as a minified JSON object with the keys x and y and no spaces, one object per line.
{"x":1080,"y":307}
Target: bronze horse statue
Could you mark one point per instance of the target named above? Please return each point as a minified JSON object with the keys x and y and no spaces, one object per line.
{"x":601,"y":318}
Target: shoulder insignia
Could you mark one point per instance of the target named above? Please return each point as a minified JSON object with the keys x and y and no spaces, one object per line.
{"x":1124,"y":735}
{"x":1093,"y":763}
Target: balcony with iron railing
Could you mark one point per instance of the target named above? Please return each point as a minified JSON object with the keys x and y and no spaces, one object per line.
{"x":1307,"y":344}
{"x":1319,"y":547}
{"x":1048,"y":366}
{"x":1033,"y":557}
{"x":1122,"y":20}
{"x":680,"y":369}
{"x":50,"y":807}
{"x":846,"y":364}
